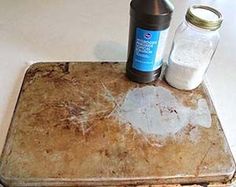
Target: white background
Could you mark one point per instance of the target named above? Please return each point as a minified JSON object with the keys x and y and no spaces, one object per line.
{"x":92,"y":30}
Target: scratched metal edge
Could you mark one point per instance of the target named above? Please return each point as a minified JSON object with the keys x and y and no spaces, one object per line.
{"x":225,"y":177}
{"x":10,"y":129}
{"x":109,"y":181}
{"x":4,"y":180}
{"x":222,"y":133}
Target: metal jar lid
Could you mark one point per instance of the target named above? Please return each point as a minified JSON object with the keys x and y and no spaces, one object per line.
{"x":204,"y":17}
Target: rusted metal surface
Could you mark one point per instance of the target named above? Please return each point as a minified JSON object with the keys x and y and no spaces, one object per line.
{"x":68,"y":129}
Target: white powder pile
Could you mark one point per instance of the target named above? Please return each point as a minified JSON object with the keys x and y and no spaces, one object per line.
{"x":187,"y":64}
{"x":154,"y":110}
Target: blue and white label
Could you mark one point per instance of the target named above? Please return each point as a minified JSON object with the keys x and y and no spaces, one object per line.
{"x":149,"y":48}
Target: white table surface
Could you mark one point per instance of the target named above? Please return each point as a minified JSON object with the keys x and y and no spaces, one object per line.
{"x":92,"y":30}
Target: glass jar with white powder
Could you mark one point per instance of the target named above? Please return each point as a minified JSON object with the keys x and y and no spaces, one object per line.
{"x":193,"y":47}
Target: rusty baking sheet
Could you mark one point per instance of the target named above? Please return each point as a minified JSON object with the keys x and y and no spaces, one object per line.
{"x":87,"y":124}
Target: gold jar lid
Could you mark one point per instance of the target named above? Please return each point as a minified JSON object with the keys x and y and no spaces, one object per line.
{"x":204,"y":17}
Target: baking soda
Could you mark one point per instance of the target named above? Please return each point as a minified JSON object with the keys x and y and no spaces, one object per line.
{"x":187,"y":64}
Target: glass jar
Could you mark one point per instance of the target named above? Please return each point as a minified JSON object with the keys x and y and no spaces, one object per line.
{"x":193,"y":47}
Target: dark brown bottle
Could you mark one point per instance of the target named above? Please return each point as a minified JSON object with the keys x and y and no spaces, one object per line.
{"x":149,"y":22}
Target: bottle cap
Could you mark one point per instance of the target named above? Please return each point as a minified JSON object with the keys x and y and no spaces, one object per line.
{"x":204,"y":17}
{"x":152,"y":14}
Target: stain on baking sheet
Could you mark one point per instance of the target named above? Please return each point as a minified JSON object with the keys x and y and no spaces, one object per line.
{"x":87,"y":122}
{"x":155,"y":110}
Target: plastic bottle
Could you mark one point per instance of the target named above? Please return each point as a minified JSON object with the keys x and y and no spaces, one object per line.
{"x":149,"y":22}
